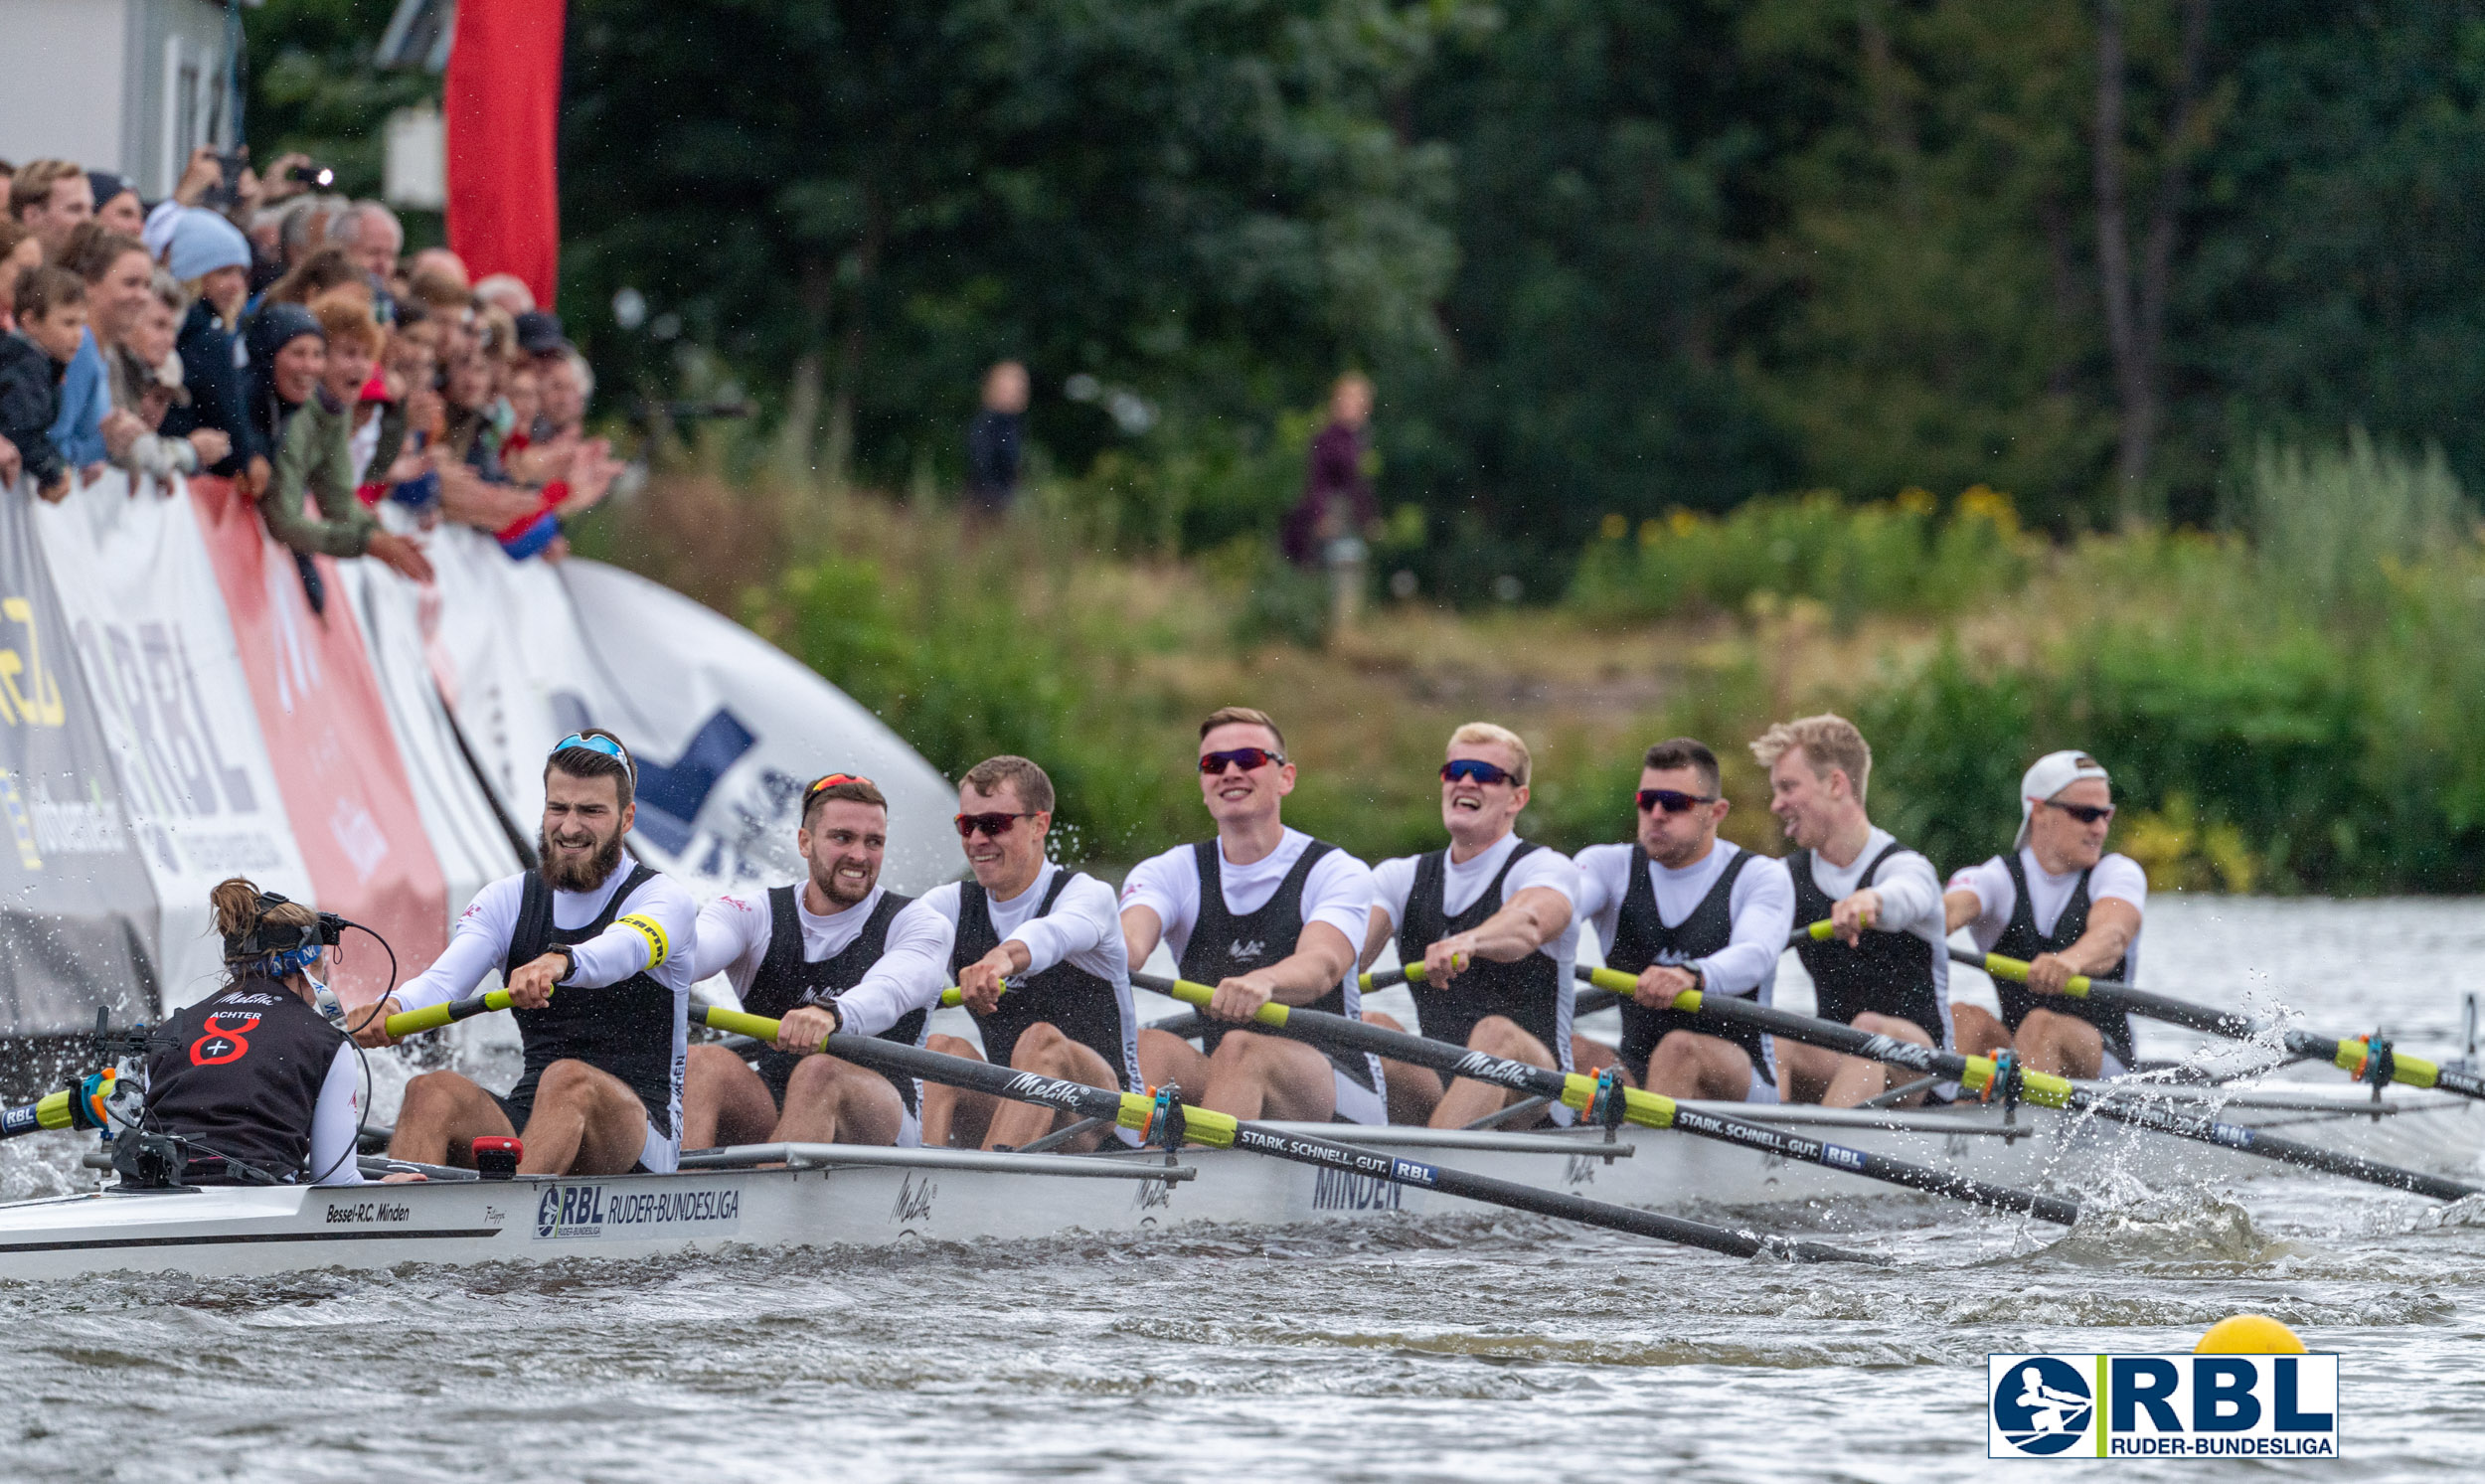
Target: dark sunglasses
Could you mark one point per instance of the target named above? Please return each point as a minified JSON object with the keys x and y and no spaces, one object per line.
{"x":2085,"y":813}
{"x":1245,"y":759}
{"x":994,"y":826}
{"x":1672,"y":801}
{"x":831,"y":781}
{"x":1477,"y":768}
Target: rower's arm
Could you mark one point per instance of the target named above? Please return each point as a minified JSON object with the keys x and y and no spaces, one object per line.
{"x":2113,"y":924}
{"x":476,"y":946}
{"x":660,"y":925}
{"x":1321,"y":961}
{"x":1377,"y":937}
{"x":1141,"y":931}
{"x":1763,"y":904}
{"x":1525,"y":924}
{"x":1959,"y":908}
{"x":912,"y":970}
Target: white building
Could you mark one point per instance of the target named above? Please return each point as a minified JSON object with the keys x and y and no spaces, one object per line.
{"x":129,"y":85}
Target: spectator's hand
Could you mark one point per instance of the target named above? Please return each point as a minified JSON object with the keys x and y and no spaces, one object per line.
{"x":540,"y":466}
{"x":467,"y":499}
{"x":278,"y":182}
{"x":121,"y":429}
{"x":55,"y":492}
{"x":214,"y":445}
{"x":556,"y":549}
{"x":12,"y":464}
{"x":89,"y":473}
{"x":203,"y":173}
{"x":591,"y":478}
{"x":403,"y":556}
{"x":254,"y":478}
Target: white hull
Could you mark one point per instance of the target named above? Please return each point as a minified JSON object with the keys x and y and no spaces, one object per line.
{"x":843,"y":1196}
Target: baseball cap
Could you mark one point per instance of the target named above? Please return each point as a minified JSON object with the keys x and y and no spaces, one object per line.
{"x":2048,"y":776}
{"x":539,"y":333}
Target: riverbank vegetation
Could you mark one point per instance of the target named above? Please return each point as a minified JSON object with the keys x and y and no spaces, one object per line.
{"x":2284,"y":700}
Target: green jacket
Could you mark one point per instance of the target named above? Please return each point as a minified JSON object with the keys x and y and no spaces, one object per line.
{"x":315,"y":456}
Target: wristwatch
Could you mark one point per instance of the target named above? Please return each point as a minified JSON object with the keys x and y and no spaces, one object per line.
{"x":1698,"y":976}
{"x":569,"y":962}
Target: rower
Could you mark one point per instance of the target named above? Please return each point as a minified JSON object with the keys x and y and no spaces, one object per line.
{"x":1684,"y":910}
{"x":837,"y":951}
{"x":602,"y":1089}
{"x":254,"y":1080}
{"x":1497,"y":962}
{"x":1896,"y":982}
{"x":1049,"y":932}
{"x":2065,"y":906}
{"x":1261,"y":913}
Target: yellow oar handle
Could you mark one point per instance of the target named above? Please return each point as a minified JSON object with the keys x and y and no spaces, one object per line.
{"x":431,"y":1017}
{"x":1687,"y":1000}
{"x":2354,"y":1055}
{"x":1270,"y":1014}
{"x":2016,"y":970}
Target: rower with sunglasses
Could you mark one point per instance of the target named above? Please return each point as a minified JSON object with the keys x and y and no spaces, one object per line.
{"x":1893,"y":980}
{"x":595,"y":949}
{"x":1045,"y":933}
{"x":1684,"y":910}
{"x":1261,"y":912}
{"x":1492,"y":920}
{"x":2065,"y":906}
{"x":833,"y":953}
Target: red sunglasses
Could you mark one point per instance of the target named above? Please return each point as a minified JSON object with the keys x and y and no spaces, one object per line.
{"x":994,"y":825}
{"x":1245,"y":759}
{"x":831,"y":781}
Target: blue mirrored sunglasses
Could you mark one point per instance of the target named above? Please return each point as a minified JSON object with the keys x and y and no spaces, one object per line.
{"x":603,"y":744}
{"x":1477,"y":768}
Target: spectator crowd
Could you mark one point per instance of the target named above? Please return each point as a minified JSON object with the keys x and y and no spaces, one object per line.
{"x":261,"y":329}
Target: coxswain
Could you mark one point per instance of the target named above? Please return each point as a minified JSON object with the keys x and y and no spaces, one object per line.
{"x":1037,"y":956}
{"x":1492,"y":920}
{"x":2064,"y":906}
{"x":595,"y":949}
{"x":1259,"y":912}
{"x":1683,"y":909}
{"x":257,"y":1083}
{"x":1894,"y":981}
{"x":790,"y":952}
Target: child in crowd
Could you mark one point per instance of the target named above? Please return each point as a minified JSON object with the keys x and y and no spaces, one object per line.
{"x":50,"y":325}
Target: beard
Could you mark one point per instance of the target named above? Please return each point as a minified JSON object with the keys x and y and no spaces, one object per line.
{"x":564,"y":872}
{"x":840,"y":891}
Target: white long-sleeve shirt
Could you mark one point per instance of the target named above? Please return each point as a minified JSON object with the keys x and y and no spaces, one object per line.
{"x":1337,"y":891}
{"x":2115,"y":875}
{"x":1910,"y":892}
{"x":479,"y":943}
{"x":336,"y":1122}
{"x":1394,"y":881}
{"x":1762,"y":905}
{"x":909,"y":975}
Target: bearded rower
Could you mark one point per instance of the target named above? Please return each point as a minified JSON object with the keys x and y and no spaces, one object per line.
{"x":1894,"y":982}
{"x":1684,"y":910}
{"x":1261,"y":913}
{"x":2060,"y":902}
{"x":1492,"y":920}
{"x":601,"y":1089}
{"x":835,"y":952}
{"x":1049,"y":932}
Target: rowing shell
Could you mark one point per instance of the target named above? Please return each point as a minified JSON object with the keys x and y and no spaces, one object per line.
{"x":834,"y":1195}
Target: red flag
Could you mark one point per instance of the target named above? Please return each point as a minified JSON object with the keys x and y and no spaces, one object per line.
{"x":503,"y":108}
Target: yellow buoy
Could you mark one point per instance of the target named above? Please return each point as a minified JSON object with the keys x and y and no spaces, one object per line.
{"x":2248,"y":1334}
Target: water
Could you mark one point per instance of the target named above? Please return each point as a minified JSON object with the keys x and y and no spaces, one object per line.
{"x":1476,"y":1348}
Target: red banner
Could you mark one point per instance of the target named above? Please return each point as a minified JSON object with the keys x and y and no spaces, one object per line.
{"x":502,"y":103}
{"x":327,"y":728}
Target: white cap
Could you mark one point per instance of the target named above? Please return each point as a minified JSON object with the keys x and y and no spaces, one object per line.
{"x":2048,"y":776}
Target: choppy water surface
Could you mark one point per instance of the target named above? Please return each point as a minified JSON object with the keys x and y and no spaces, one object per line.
{"x":1475,"y":1347}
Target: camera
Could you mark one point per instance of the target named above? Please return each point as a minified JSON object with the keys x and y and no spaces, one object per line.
{"x":315,"y":175}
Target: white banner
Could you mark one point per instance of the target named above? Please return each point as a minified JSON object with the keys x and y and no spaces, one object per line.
{"x":156,"y":647}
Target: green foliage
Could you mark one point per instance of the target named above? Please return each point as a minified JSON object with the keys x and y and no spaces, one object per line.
{"x":1898,"y":556}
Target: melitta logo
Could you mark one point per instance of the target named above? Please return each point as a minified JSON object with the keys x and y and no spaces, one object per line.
{"x":1247,"y":950}
{"x":2177,"y":1406}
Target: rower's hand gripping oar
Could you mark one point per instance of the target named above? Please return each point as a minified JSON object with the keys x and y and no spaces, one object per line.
{"x":1988,"y":1078}
{"x":1608,"y":1099}
{"x":1163,"y":1118}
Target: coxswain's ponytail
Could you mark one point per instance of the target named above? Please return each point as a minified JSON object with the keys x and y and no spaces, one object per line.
{"x":244,"y":912}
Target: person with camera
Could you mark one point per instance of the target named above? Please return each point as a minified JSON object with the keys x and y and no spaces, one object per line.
{"x":256,"y":1080}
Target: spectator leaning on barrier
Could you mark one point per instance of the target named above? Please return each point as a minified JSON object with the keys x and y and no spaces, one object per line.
{"x":310,"y":401}
{"x":207,"y":255}
{"x":148,"y":381}
{"x":114,"y":269}
{"x":51,"y":326}
{"x":51,"y":196}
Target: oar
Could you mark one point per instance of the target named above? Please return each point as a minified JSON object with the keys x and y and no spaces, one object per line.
{"x":1982,"y":1075}
{"x":432,"y":1017}
{"x":1182,"y":1122}
{"x":1589,"y":1003}
{"x":1647,"y":1109}
{"x":78,"y":1105}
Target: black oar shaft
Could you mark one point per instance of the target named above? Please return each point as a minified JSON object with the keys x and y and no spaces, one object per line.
{"x":1216,"y":1128}
{"x":1932,"y":1061}
{"x":1648,"y":1109}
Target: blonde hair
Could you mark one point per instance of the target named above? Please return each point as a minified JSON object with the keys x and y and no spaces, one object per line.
{"x":1488,"y":734}
{"x":235,"y":906}
{"x":1828,"y":740}
{"x":1241,"y":716}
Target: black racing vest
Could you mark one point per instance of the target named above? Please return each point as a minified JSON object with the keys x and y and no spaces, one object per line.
{"x":1887,"y":973}
{"x":1223,"y":945}
{"x":627,"y":1029}
{"x":2022,"y":940}
{"x":1641,"y":938}
{"x":241,"y":1080}
{"x":787,"y":979}
{"x":1528,"y":992}
{"x":1085,"y":1007}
